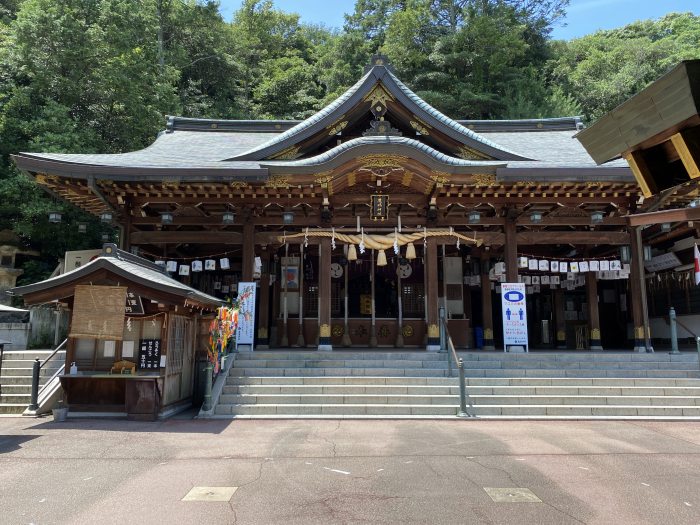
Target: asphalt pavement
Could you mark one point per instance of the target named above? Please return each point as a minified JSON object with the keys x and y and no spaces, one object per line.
{"x":350,"y":471}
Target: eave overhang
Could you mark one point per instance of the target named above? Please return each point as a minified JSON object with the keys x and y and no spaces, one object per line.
{"x":651,"y":116}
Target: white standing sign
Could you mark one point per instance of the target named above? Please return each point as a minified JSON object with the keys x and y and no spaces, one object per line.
{"x":245,"y":333}
{"x":514,"y":310}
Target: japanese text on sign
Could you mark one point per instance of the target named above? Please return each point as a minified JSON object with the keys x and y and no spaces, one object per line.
{"x":514,"y":309}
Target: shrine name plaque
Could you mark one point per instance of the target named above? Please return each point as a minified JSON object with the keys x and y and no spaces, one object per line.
{"x":149,"y":354}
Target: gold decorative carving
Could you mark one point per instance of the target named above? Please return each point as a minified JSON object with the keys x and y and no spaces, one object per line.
{"x":440,"y":177}
{"x":323,"y":178}
{"x":561,"y":335}
{"x":407,"y":331}
{"x":239,"y":184}
{"x":467,"y":153}
{"x":262,"y":332}
{"x":488,"y":334}
{"x":325,"y":330}
{"x":382,"y":161}
{"x":289,"y":153}
{"x":484,"y":179}
{"x":420,"y":126}
{"x":378,"y":95}
{"x":338,"y":330}
{"x":45,"y":180}
{"x":277,"y":181}
{"x":595,"y":334}
{"x":639,"y":332}
{"x":338,"y":126}
{"x":407,"y":177}
{"x":351,"y":179}
{"x":433,"y":331}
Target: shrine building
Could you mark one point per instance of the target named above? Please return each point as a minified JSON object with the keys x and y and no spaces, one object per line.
{"x":360,"y":223}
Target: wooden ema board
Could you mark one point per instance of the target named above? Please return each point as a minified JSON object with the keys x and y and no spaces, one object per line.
{"x":98,"y":312}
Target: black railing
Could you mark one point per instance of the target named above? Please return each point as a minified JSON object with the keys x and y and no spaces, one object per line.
{"x":36,"y":373}
{"x":448,"y":345}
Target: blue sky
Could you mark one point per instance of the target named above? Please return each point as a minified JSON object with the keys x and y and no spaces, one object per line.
{"x":584,"y":16}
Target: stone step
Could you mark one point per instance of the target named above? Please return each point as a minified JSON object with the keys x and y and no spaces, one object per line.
{"x":490,"y":381}
{"x":14,"y":398}
{"x":532,"y":357}
{"x":454,"y":390}
{"x":16,"y":389}
{"x":468,"y":365}
{"x":21,"y":380}
{"x":471,"y":372}
{"x":13,"y":371}
{"x":12,"y":408}
{"x":30,"y":354}
{"x":450,"y":410}
{"x":450,"y":399}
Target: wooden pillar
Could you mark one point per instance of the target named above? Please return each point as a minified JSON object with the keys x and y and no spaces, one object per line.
{"x":264,"y":310}
{"x":248,"y":257}
{"x":559,"y":318}
{"x":593,"y":315}
{"x":638,"y":291}
{"x":486,"y":304}
{"x":431,"y":271}
{"x":324,"y":295}
{"x":284,"y":337}
{"x":125,"y":230}
{"x":511,"y":251}
{"x":301,"y":341}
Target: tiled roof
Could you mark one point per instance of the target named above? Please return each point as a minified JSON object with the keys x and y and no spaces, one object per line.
{"x":146,"y":274}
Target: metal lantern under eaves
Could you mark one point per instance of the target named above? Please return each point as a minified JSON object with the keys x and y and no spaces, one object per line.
{"x":166,"y":218}
{"x":625,"y":253}
{"x":82,"y":227}
{"x":536,"y":217}
{"x":55,"y":217}
{"x":106,"y":217}
{"x":474,"y":217}
{"x":288,"y":217}
{"x":597,"y":217}
{"x":228,"y":217}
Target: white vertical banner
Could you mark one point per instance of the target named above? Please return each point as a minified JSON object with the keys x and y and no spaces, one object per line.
{"x":514,"y":310}
{"x":245,"y":333}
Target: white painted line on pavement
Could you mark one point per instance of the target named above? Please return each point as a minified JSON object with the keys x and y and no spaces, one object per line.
{"x":42,"y":500}
{"x":380,"y":469}
{"x":407,"y":462}
{"x":336,"y":470}
{"x":646,"y":484}
{"x":584,"y":468}
{"x":87,"y":479}
{"x":687,"y":504}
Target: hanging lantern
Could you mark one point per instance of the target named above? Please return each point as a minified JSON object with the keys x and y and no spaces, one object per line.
{"x":228,"y":217}
{"x":54,"y":217}
{"x":474,"y":217}
{"x":666,"y":227}
{"x":625,"y":255}
{"x":82,"y":227}
{"x":106,"y":217}
{"x":288,"y":217}
{"x":352,"y":253}
{"x":166,"y":218}
{"x":536,"y":217}
{"x":381,"y":258}
{"x":596,"y":217}
{"x":410,"y":251}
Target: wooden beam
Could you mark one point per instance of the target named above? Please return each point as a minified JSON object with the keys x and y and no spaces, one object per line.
{"x":683,"y":148}
{"x":659,"y":217}
{"x":592,"y":237}
{"x":641,"y":173}
{"x":181,"y":237}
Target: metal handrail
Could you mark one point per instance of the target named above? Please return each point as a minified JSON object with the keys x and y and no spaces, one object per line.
{"x":452,"y":354}
{"x":36,"y":372}
{"x":695,"y":336}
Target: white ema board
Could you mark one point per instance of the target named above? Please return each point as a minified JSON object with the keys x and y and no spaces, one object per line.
{"x":514,"y":311}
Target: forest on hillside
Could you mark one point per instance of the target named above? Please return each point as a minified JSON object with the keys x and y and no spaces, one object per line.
{"x":100,"y":75}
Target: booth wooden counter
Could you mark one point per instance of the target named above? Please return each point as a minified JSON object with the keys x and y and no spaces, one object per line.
{"x":136,"y":396}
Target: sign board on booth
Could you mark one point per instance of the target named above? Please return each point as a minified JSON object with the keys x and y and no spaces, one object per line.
{"x":514,"y":309}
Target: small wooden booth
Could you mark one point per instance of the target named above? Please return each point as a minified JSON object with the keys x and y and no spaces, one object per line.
{"x":132,"y":338}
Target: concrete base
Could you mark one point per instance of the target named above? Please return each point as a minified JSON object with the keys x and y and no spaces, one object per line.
{"x":325,"y":348}
{"x":596,"y":348}
{"x":433,"y":348}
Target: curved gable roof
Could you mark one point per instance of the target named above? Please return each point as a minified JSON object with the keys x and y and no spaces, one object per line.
{"x":378,"y":74}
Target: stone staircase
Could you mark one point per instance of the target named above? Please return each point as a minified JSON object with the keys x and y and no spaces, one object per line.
{"x":16,"y":377}
{"x":381,"y":384}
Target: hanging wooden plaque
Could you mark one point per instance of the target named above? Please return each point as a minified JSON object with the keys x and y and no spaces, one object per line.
{"x":98,"y":312}
{"x":379,"y":207}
